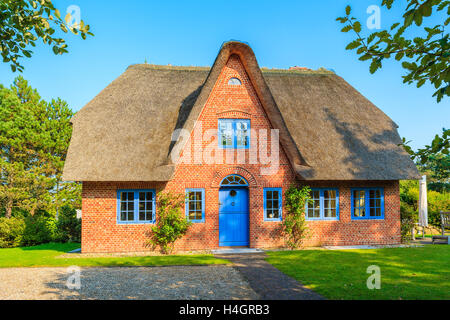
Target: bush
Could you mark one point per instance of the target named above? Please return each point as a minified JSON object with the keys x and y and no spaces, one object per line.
{"x":170,"y":224}
{"x":294,"y":226}
{"x":408,"y":217}
{"x":11,"y":232}
{"x":38,"y":229}
{"x":68,"y":225}
{"x":437,"y":202}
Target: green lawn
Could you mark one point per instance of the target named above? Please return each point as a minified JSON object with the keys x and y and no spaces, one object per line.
{"x":46,"y":256}
{"x":406,"y":273}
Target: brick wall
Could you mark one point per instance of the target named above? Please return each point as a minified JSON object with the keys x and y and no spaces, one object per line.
{"x":101,"y":233}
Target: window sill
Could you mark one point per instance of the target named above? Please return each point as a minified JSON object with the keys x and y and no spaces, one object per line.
{"x":135,"y":222}
{"x":197,"y":221}
{"x":322,"y":219}
{"x":273,"y":220}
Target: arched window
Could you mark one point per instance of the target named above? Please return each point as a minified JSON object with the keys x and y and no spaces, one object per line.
{"x":234,"y":81}
{"x":234,"y":180}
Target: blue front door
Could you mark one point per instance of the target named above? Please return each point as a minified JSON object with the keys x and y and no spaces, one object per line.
{"x":233,"y":217}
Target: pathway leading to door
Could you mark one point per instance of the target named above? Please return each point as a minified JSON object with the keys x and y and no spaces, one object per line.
{"x":266,"y":280}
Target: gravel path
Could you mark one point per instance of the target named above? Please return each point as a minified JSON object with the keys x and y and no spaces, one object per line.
{"x":266,"y":280}
{"x":175,"y":282}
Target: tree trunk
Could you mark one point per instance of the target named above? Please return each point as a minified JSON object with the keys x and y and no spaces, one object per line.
{"x":8,"y":209}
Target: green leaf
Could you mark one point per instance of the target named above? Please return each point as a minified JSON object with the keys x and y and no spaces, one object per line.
{"x":399,"y":55}
{"x":420,"y":83}
{"x":348,"y":9}
{"x":352,"y":45}
{"x":347,"y":28}
{"x":357,"y":26}
{"x":365,"y":57}
{"x":374,"y":66}
{"x":418,"y":18}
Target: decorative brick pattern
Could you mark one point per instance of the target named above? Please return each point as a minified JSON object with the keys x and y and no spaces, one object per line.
{"x":101,"y":233}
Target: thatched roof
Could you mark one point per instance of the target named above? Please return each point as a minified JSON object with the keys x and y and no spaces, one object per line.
{"x":328,"y":130}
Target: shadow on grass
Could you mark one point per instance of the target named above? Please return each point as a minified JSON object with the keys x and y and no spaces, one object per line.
{"x":406,"y":273}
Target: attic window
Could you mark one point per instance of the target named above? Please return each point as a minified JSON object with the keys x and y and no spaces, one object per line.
{"x":234,"y":82}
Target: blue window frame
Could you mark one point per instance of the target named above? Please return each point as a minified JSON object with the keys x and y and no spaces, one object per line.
{"x":324,"y":204}
{"x":273,"y":204}
{"x":195,"y":205}
{"x":136,"y":206}
{"x":234,"y":133}
{"x":367,"y":203}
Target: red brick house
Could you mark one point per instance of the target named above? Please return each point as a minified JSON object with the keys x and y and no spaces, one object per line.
{"x":233,"y":138}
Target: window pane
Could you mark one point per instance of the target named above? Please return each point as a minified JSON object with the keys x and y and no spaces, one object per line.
{"x":276,"y":213}
{"x":316,"y":213}
{"x":226,"y":132}
{"x":275,"y":203}
{"x":329,"y":194}
{"x":360,"y":212}
{"x":275,"y":195}
{"x":130,"y":215}
{"x":316,"y":204}
{"x":242,"y":133}
{"x":329,"y":213}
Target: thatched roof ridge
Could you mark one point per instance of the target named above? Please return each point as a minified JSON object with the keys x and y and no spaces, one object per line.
{"x":328,"y":130}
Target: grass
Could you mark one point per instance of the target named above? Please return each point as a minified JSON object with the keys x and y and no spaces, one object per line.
{"x":45,"y":255}
{"x":406,"y":273}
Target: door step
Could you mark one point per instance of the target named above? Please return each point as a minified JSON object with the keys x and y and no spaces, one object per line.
{"x":236,"y":251}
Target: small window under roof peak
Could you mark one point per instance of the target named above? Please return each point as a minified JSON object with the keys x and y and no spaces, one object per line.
{"x":234,"y":81}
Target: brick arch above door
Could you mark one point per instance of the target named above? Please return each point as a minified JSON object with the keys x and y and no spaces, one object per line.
{"x":219,"y":175}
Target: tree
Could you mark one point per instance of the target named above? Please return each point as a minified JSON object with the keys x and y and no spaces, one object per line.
{"x":34,"y":138}
{"x":426,"y":58}
{"x":23,"y":22}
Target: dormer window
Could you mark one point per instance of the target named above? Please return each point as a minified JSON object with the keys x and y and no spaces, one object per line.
{"x":234,"y":82}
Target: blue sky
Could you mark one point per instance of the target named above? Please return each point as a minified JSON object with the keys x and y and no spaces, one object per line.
{"x":281,"y":33}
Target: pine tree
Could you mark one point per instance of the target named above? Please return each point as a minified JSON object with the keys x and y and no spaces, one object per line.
{"x":34,"y":137}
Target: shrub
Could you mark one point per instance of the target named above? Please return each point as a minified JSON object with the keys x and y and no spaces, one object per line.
{"x":68,"y":225}
{"x":11,"y":232}
{"x":294,"y":226}
{"x":408,"y":217}
{"x":170,"y":224}
{"x":38,"y":229}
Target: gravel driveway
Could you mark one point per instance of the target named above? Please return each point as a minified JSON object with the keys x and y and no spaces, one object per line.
{"x":177,"y":282}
